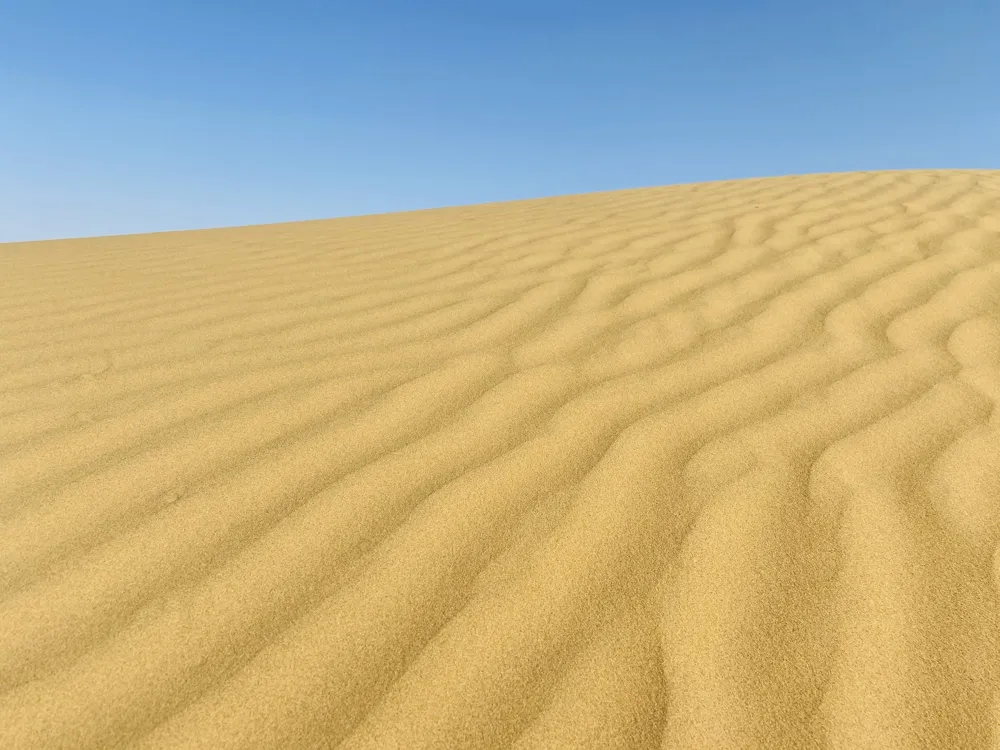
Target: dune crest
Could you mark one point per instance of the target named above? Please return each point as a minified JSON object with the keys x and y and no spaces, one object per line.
{"x":701,"y":466}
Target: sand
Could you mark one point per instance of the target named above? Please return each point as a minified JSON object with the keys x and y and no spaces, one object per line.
{"x":701,"y":466}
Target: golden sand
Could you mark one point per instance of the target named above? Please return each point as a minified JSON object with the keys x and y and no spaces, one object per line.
{"x":701,"y":466}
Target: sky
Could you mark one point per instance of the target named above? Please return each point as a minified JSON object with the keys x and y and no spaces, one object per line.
{"x":139,"y":115}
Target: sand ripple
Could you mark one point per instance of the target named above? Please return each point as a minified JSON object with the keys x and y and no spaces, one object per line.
{"x":704,"y":466}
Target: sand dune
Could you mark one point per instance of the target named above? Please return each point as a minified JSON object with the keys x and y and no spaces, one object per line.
{"x":702,"y":466}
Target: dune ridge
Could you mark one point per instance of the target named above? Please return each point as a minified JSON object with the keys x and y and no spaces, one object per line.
{"x":711,"y":465}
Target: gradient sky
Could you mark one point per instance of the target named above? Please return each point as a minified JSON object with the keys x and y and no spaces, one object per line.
{"x":134,"y":116}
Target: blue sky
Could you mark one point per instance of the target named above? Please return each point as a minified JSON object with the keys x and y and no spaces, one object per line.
{"x":134,"y":116}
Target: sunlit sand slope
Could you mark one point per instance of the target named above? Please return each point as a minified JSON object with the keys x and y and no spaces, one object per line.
{"x":704,"y":466}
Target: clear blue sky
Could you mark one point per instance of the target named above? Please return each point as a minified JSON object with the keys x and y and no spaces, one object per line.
{"x":131,"y":116}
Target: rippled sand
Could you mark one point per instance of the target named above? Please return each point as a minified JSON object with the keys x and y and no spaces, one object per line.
{"x":702,"y":466}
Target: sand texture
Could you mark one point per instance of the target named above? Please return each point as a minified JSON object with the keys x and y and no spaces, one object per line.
{"x":702,"y":466}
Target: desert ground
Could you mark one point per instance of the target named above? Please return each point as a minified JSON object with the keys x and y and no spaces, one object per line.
{"x":700,"y":466}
